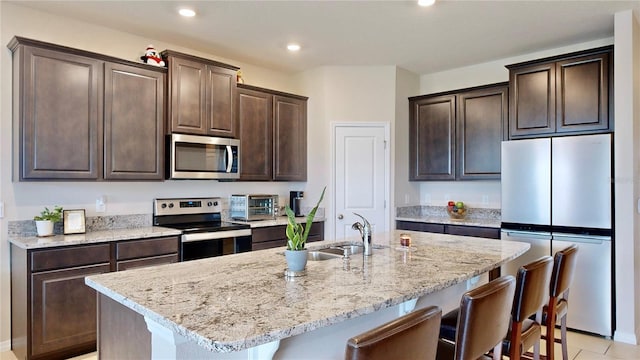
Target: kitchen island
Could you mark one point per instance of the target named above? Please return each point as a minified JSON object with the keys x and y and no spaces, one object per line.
{"x":242,"y":305}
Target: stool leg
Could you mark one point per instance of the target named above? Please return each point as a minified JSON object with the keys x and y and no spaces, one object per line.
{"x":563,"y":337}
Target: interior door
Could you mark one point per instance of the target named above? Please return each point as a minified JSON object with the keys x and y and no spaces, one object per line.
{"x":361,"y":177}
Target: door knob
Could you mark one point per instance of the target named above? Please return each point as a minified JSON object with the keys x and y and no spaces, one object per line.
{"x":340,"y":217}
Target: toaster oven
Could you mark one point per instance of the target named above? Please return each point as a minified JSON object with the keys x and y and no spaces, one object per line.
{"x":253,"y":207}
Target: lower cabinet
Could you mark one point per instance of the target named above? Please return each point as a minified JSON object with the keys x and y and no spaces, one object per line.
{"x":53,"y":312}
{"x":274,"y":236}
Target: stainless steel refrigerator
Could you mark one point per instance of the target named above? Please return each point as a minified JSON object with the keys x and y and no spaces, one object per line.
{"x":555,"y":192}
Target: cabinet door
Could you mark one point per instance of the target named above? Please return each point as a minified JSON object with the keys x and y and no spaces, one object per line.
{"x":63,"y":310}
{"x":583,"y":93}
{"x":532,"y":100}
{"x":289,"y":139}
{"x":133,"y":123}
{"x":60,"y":120}
{"x":220,"y":91}
{"x":431,"y":138}
{"x":481,"y":126}
{"x":187,"y":90}
{"x":256,"y":134}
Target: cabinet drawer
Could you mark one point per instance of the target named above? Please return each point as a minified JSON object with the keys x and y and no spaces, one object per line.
{"x":268,"y":244}
{"x":476,"y":231}
{"x":417,"y":226}
{"x":150,"y":261}
{"x":42,"y":260}
{"x":268,"y":233}
{"x":145,"y":248}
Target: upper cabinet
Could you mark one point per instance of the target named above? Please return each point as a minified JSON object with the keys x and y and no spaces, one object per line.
{"x":86,"y":116}
{"x":565,"y":94}
{"x":456,"y":135}
{"x":202,"y":95}
{"x":273,"y":135}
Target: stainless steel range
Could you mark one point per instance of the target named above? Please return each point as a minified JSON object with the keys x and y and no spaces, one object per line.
{"x":204,"y":234}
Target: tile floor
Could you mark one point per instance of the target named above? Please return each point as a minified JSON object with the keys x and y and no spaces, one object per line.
{"x":581,"y":347}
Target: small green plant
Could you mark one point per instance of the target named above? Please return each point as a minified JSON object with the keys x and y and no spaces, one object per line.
{"x":54,"y":215}
{"x":296,"y":233}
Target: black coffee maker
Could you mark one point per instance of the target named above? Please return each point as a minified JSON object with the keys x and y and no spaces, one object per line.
{"x":295,"y":198}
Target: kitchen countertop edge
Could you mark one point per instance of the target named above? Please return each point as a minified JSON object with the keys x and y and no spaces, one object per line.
{"x":489,"y":223}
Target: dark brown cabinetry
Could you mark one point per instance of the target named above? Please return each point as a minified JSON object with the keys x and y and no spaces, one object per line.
{"x":86,"y":116}
{"x":202,"y":95}
{"x":133,"y":123}
{"x":53,"y":312}
{"x":456,"y":135}
{"x":273,"y":135}
{"x":565,"y":94}
{"x":274,"y":236}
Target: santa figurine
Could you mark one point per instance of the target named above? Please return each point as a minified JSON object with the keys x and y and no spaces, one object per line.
{"x":152,"y":57}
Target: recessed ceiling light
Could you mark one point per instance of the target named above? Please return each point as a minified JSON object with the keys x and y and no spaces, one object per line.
{"x":426,"y":3}
{"x":187,"y":12}
{"x":293,"y":47}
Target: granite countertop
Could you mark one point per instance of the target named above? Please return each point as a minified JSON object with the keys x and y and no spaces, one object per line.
{"x":35,"y":242}
{"x":491,"y":223}
{"x":239,"y":301}
{"x":280,"y":220}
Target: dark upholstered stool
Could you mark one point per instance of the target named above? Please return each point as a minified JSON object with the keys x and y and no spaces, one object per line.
{"x":532,"y":283}
{"x":564,"y":264}
{"x":482,"y":322}
{"x":412,"y":336}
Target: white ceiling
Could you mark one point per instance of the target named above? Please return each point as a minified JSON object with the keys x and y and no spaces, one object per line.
{"x":448,"y":35}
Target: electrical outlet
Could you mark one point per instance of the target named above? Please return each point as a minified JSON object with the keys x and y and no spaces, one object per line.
{"x":427,"y":199}
{"x":406,"y":198}
{"x":101,"y":204}
{"x":447,"y":197}
{"x":485,"y":199}
{"x":1,"y":209}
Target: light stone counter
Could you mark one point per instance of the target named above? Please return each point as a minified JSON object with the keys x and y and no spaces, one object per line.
{"x":34,"y":242}
{"x":242,"y":301}
{"x":490,"y":223}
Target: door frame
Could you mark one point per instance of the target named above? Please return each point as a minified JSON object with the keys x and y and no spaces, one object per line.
{"x":387,"y":170}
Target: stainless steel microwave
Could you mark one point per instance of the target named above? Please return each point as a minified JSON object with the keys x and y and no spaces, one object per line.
{"x":202,"y":157}
{"x":253,"y":207}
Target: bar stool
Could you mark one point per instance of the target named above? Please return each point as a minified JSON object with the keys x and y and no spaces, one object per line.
{"x":482,"y":322}
{"x":412,"y":336}
{"x":530,"y":296}
{"x":564,"y":264}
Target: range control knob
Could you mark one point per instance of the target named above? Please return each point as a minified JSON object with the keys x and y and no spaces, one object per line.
{"x":163,"y":205}
{"x":209,"y":204}
{"x":215,"y":203}
{"x":170,"y":205}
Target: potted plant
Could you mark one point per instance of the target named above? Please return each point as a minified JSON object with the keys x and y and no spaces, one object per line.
{"x":46,"y":219}
{"x":297,"y":234}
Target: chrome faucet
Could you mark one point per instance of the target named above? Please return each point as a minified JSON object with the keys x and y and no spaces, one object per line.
{"x":365,"y":233}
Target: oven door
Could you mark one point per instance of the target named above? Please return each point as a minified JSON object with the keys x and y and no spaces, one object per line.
{"x":209,"y":244}
{"x":203,"y":157}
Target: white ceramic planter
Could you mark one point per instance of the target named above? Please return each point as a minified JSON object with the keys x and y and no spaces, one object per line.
{"x":44,"y":227}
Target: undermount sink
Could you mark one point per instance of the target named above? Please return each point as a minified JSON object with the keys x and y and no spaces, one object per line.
{"x":333,"y":253}
{"x":319,"y":255}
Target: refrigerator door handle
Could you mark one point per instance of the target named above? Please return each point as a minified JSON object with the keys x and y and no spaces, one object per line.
{"x":587,"y":239}
{"x":526,"y":234}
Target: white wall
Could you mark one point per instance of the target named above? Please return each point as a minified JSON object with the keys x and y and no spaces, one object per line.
{"x":626,"y":173}
{"x":342,"y":94}
{"x":24,"y":200}
{"x":407,"y":85}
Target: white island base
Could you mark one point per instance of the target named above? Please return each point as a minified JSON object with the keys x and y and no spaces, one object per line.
{"x":323,"y":343}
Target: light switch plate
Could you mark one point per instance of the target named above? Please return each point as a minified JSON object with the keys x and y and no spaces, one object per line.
{"x":100,"y":204}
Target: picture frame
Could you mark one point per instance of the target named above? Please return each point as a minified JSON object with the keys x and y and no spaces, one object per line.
{"x":74,"y":221}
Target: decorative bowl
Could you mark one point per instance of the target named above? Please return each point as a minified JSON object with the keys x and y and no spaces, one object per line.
{"x":456,"y":213}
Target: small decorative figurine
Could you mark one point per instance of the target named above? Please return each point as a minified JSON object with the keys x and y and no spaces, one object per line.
{"x":152,"y":57}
